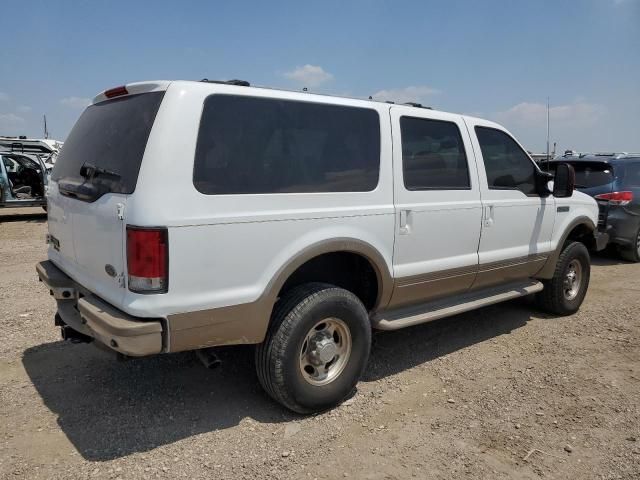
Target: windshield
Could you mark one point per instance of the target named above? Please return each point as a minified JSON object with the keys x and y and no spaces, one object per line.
{"x":14,"y":162}
{"x":110,"y":135}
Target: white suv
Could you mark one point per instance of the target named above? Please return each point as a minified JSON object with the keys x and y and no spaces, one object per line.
{"x":186,"y":215}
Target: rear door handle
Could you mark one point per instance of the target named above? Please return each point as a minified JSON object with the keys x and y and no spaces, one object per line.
{"x":405,"y":217}
{"x":488,"y":215}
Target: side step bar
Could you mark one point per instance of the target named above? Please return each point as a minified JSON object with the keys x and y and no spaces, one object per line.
{"x":427,"y":312}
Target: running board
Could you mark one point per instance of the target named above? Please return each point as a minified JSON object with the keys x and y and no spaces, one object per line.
{"x":427,"y":312}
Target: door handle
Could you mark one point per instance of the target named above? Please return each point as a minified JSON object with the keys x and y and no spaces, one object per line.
{"x":405,"y":228}
{"x":488,"y":215}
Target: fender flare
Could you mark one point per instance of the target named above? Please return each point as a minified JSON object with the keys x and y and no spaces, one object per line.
{"x":549,"y":267}
{"x":350,"y":245}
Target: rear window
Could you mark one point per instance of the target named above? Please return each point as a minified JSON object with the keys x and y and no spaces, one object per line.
{"x":111,"y":135}
{"x":591,"y":174}
{"x":249,"y":145}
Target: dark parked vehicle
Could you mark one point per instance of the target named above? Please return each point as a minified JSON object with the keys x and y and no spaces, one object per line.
{"x":614,"y":181}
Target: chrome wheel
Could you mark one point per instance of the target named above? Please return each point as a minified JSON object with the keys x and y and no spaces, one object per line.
{"x":325,"y":351}
{"x":572,"y":280}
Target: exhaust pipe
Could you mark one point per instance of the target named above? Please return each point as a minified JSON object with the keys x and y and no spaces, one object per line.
{"x":208,"y":358}
{"x":74,"y":336}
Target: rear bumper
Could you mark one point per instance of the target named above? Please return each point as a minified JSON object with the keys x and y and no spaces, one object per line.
{"x":91,"y":316}
{"x":622,"y":227}
{"x":601,"y":240}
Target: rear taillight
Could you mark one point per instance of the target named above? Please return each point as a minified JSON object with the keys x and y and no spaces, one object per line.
{"x":148,"y":259}
{"x":616,"y":198}
{"x":116,"y":92}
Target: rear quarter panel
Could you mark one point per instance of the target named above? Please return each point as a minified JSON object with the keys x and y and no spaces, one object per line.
{"x":225,"y":249}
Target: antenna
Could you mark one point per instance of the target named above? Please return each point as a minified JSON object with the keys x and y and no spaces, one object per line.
{"x":46,"y":132}
{"x":547,"y":130}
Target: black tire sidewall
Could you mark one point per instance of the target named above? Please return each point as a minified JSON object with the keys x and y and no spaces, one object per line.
{"x":576,"y":251}
{"x":631,"y":253}
{"x":337,"y":303}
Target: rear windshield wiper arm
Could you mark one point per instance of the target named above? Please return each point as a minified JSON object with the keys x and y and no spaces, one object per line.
{"x":88,"y":171}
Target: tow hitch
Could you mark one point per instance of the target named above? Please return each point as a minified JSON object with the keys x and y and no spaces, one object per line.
{"x":74,"y":336}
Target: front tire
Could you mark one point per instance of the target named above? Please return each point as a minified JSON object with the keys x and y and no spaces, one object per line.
{"x":316,"y":348}
{"x":563,"y":294}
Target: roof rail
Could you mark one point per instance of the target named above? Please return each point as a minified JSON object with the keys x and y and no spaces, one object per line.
{"x":240,"y":83}
{"x":417,"y":105}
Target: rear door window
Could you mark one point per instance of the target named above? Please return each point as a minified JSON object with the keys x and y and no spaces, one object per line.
{"x":250,"y":145}
{"x":110,"y":135}
{"x":433,"y":156}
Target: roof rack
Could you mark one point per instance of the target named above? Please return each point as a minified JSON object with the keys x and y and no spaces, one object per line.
{"x":417,"y":105}
{"x":244,"y":83}
{"x":240,"y":83}
{"x":598,"y":155}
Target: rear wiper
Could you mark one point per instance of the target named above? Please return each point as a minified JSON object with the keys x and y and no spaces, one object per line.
{"x":88,"y":171}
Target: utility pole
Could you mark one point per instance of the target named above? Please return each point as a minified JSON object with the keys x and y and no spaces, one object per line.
{"x":46,"y":132}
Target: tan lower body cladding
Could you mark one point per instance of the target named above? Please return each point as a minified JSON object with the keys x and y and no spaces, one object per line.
{"x":234,"y":325}
{"x":247,"y":323}
{"x":434,"y":285}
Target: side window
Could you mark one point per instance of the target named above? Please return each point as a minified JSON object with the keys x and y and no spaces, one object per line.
{"x":508,"y":167}
{"x":433,"y":156}
{"x":257,"y":145}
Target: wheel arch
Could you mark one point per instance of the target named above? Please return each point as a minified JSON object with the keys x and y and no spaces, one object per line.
{"x":579,"y":229}
{"x":360,"y":248}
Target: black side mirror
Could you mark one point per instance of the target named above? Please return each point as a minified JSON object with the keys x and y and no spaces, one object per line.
{"x":564,"y":181}
{"x":542,"y":183}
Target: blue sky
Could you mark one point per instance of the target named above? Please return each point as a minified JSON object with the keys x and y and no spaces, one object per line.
{"x":495,"y":59}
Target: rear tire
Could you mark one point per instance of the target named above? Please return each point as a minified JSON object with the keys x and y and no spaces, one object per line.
{"x":563,"y":294}
{"x":631,"y":254}
{"x":316,"y":348}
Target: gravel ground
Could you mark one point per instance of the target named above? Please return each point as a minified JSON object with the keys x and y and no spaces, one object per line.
{"x":503,"y":392}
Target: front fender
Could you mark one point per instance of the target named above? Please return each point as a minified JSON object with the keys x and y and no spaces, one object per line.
{"x":549,"y":267}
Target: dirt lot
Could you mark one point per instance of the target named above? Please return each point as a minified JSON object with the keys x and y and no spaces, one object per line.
{"x":504,"y":392}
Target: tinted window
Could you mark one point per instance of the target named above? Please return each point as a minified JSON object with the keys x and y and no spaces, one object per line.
{"x":261,"y":145}
{"x":508,"y":166}
{"x":433,"y":156}
{"x":632,"y":174}
{"x":111,"y":135}
{"x":591,"y":174}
